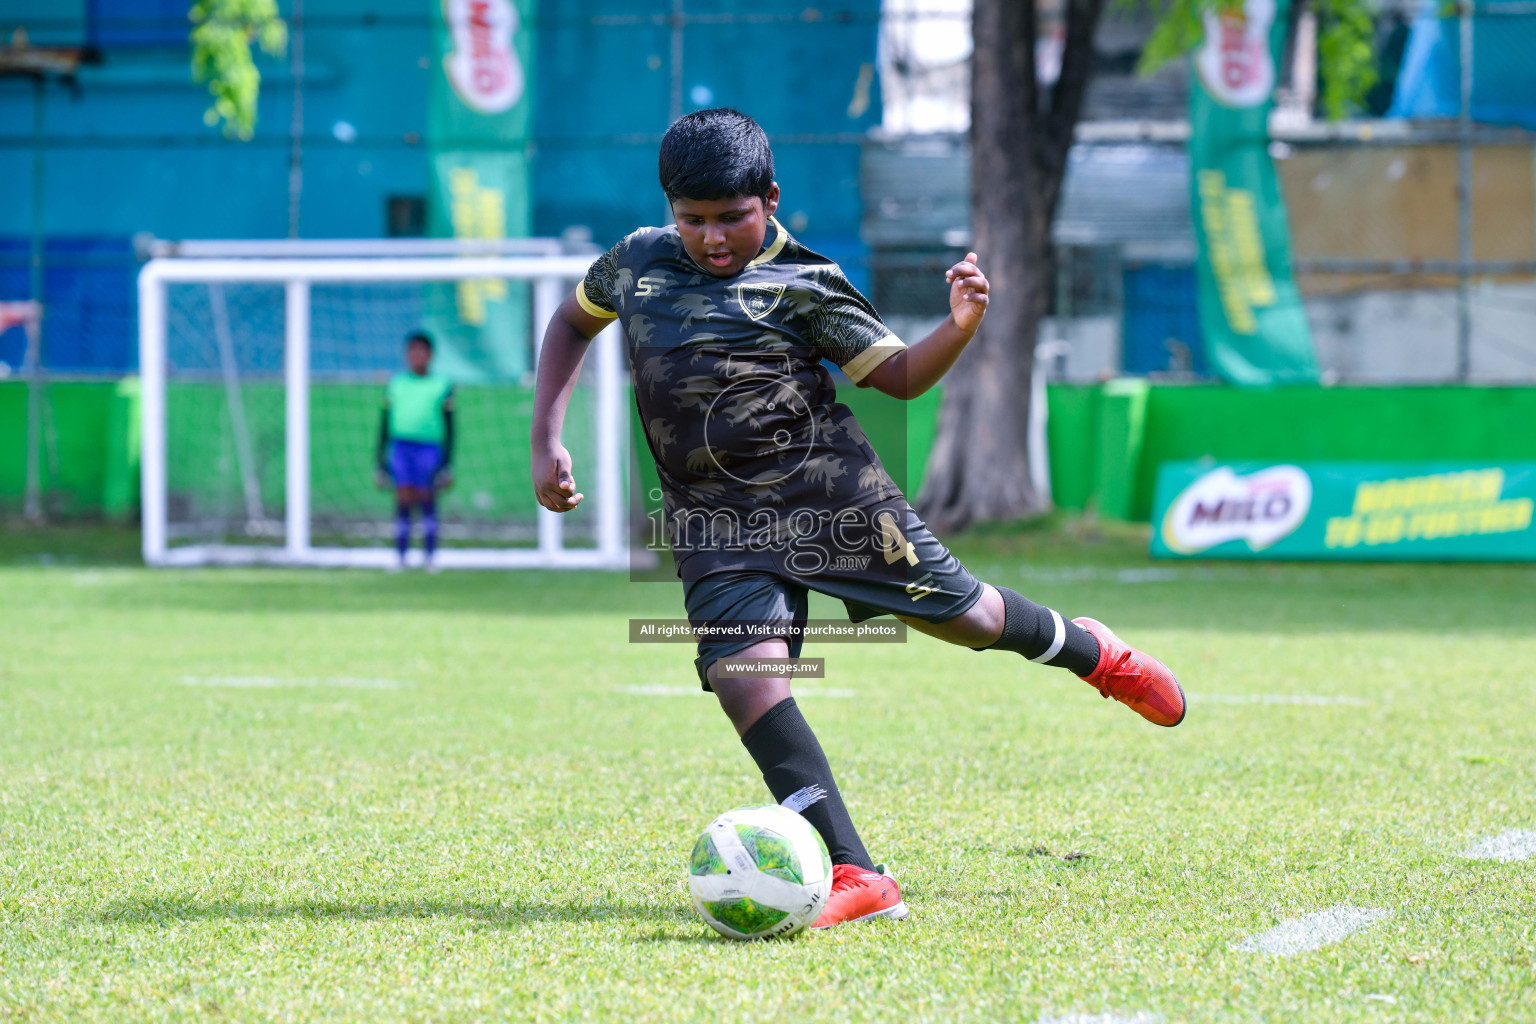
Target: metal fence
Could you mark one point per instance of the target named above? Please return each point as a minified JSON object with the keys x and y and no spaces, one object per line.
{"x":1414,"y":234}
{"x":1435,"y":271}
{"x":608,"y":79}
{"x":1414,"y":237}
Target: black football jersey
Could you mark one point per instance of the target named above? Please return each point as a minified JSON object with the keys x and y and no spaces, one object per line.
{"x":738,"y":409}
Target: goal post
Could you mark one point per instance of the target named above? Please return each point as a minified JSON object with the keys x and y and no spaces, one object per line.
{"x":195,"y":312}
{"x":28,"y":315}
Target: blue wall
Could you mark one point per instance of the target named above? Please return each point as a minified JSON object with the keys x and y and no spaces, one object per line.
{"x":604,"y":94}
{"x":1160,"y":325}
{"x":1503,"y":73}
{"x":127,"y":150}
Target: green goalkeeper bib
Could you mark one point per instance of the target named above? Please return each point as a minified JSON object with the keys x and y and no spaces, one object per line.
{"x":416,"y":407}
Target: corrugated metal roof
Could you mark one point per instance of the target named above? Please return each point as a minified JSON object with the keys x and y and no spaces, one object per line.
{"x":916,"y":195}
{"x":916,"y":191}
{"x":1125,"y":195}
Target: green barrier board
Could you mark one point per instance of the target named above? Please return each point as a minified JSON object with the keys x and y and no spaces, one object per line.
{"x":1362,"y":511}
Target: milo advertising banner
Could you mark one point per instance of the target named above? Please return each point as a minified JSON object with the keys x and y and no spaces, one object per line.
{"x":481,"y":188}
{"x":1346,"y":510}
{"x":1251,"y":316}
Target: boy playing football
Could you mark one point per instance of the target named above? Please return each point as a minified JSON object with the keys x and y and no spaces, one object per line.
{"x":416,"y":444}
{"x":770,"y":488}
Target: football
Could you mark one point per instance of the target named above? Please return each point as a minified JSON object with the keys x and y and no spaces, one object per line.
{"x":759,"y":872}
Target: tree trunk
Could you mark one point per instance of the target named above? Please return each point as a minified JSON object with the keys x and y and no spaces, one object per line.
{"x":978,"y":470}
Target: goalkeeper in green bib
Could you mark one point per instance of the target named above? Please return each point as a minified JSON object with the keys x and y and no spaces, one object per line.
{"x":416,"y":444}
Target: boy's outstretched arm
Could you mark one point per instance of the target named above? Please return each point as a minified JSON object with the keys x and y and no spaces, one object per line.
{"x":560,"y":356}
{"x":919,"y":367}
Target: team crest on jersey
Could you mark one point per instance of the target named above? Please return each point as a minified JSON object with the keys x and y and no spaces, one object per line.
{"x":759,"y":299}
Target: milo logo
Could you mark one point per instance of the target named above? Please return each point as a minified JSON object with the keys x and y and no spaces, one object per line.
{"x":1233,"y":61}
{"x":482,"y":67}
{"x":1260,"y":508}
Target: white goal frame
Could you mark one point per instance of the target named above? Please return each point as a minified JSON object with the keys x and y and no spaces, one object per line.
{"x":550,"y":276}
{"x":28,"y":315}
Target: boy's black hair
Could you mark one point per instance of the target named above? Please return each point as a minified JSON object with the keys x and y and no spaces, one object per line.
{"x":419,"y":338}
{"x":718,"y":153}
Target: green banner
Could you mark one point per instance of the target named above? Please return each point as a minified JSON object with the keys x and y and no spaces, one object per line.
{"x":1346,"y":510}
{"x":1251,"y":316}
{"x":477,"y":136}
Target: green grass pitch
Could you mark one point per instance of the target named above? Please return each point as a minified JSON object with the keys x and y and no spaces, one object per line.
{"x":272,"y":795}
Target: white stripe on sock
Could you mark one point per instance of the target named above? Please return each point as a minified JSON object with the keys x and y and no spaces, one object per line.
{"x":800,"y":799}
{"x":1058,"y":643}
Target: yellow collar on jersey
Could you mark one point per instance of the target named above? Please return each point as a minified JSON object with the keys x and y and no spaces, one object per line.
{"x":780,"y":236}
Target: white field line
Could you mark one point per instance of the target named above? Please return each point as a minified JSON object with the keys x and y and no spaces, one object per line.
{"x":1098,"y":574}
{"x":1108,"y":574}
{"x":1139,"y":1017}
{"x":1292,"y":573}
{"x":283,"y":682}
{"x":100,"y":577}
{"x":1516,"y":844}
{"x":1312,"y":931}
{"x":1309,"y":699}
{"x":665,"y":690}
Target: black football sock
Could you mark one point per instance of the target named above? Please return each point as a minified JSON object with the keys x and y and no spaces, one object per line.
{"x":429,"y":527}
{"x":790,"y":758}
{"x":1043,"y":635}
{"x":402,"y":528}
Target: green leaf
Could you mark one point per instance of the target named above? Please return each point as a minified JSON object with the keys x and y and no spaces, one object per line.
{"x":1346,"y":55}
{"x":221,"y":37}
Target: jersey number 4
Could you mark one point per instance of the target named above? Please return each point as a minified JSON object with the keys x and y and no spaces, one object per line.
{"x":895,"y":546}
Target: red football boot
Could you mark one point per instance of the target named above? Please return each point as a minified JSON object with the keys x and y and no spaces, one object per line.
{"x":859,"y":895}
{"x":1136,"y":680}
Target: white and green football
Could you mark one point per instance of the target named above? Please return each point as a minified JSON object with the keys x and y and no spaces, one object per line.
{"x":758,"y":872}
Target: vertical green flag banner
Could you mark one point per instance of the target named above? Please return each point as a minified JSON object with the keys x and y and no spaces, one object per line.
{"x":1251,"y":315}
{"x":477,"y":135}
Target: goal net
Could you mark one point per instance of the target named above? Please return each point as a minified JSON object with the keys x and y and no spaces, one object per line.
{"x":263,"y":382}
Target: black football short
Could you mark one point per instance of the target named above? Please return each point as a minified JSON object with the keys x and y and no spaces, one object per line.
{"x":912,"y":575}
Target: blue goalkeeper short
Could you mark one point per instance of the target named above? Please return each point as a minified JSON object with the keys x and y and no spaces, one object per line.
{"x":415,"y":463}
